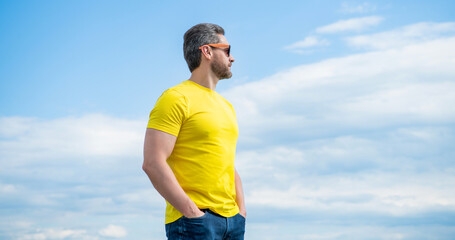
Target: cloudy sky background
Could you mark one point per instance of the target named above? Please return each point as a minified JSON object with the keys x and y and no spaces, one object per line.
{"x":345,"y":109}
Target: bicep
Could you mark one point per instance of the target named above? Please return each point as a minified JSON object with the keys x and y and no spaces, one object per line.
{"x":158,"y":145}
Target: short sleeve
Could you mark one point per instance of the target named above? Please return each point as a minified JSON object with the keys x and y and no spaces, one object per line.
{"x":169,"y":113}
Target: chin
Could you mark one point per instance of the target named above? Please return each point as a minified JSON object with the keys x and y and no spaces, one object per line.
{"x":227,"y":76}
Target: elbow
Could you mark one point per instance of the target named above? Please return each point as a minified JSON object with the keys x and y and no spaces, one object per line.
{"x":150,"y":167}
{"x":146,"y":167}
{"x":153,"y":172}
{"x":153,"y":166}
{"x":148,"y":163}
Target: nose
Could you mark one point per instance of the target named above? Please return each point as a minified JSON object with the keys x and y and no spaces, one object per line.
{"x":231,"y":58}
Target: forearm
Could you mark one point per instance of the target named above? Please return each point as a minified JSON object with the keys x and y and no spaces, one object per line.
{"x":158,"y":146}
{"x":240,"y":198}
{"x":165,"y":182}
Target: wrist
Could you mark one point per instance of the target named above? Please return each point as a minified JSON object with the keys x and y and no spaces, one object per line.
{"x":242,"y":211}
{"x":191,"y":210}
{"x":242,"y":208}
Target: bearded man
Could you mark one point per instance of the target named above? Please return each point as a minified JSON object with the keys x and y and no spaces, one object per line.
{"x":190,"y":143}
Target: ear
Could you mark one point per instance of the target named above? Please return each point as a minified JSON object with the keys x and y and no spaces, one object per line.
{"x":206,"y":52}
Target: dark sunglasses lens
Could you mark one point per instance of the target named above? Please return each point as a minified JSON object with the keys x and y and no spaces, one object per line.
{"x":229,"y":50}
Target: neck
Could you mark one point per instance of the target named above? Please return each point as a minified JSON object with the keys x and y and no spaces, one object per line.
{"x":204,"y":78}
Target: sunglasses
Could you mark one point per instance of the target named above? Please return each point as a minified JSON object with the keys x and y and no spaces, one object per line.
{"x":216,"y":45}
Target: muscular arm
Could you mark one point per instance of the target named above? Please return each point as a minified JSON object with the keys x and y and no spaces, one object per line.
{"x":158,"y":146}
{"x":240,"y":199}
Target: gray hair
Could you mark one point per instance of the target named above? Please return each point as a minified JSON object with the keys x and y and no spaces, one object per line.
{"x":198,"y":35}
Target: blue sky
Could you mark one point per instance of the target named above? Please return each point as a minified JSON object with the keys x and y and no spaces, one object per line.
{"x":345,"y":111}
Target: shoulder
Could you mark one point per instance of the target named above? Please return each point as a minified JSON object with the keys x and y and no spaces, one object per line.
{"x":170,"y":100}
{"x":173,"y":94}
{"x":182,"y":90}
{"x":171,"y":104}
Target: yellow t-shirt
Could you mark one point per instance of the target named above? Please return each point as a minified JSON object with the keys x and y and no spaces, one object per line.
{"x":203,"y":157}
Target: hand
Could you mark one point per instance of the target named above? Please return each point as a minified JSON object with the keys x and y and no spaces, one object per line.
{"x":242,"y":212}
{"x":196,"y":214}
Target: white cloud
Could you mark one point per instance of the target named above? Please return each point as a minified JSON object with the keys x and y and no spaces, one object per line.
{"x":70,"y":168}
{"x":363,"y":135}
{"x":14,"y":126}
{"x":113,"y":231}
{"x":413,"y":84}
{"x":22,"y":224}
{"x":425,"y":101}
{"x":404,"y":36}
{"x":378,"y":193}
{"x":353,"y":24}
{"x":395,"y":173}
{"x":44,"y":234}
{"x":321,"y":229}
{"x":28,"y":139}
{"x":368,"y":134}
{"x":362,"y":8}
{"x":308,"y":42}
{"x":7,"y":188}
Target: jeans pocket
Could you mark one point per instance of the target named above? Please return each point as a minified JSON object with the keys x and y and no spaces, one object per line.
{"x":197,"y":218}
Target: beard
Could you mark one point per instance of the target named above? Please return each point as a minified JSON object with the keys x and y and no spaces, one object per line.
{"x":221,"y":71}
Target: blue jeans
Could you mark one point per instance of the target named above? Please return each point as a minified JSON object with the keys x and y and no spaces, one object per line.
{"x":210,"y":226}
